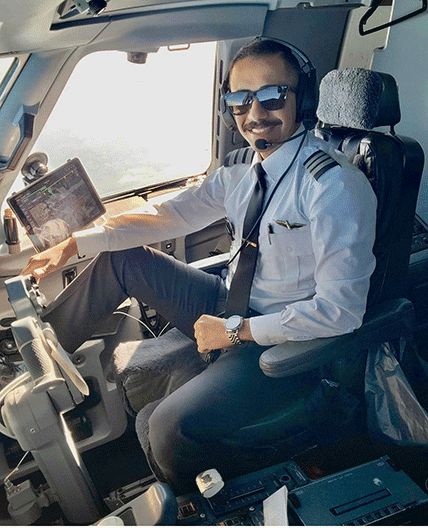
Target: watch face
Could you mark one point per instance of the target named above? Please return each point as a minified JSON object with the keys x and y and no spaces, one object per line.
{"x":233,"y":323}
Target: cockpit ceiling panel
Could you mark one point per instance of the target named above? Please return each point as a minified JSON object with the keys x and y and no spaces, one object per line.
{"x":206,"y":24}
{"x":45,"y":25}
{"x":117,"y":6}
{"x":38,"y":26}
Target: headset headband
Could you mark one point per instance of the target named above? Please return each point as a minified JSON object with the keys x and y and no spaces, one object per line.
{"x":307,"y":65}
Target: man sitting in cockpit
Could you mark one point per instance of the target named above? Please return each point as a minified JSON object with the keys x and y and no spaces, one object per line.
{"x":303,"y":221}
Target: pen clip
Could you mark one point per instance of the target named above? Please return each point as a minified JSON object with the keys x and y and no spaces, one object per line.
{"x":270,"y":232}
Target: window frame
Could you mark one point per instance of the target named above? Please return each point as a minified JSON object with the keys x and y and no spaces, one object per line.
{"x":11,"y":74}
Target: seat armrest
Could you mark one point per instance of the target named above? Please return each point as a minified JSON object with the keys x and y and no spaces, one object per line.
{"x":385,"y":321}
{"x":211,"y":262}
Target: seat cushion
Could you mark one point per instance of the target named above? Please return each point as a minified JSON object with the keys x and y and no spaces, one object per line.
{"x":151,"y":369}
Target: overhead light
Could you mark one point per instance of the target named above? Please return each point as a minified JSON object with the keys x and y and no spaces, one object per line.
{"x":72,"y":8}
{"x":94,"y":7}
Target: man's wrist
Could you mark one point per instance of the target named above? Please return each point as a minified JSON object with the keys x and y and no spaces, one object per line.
{"x":244,"y":332}
{"x":70,"y":247}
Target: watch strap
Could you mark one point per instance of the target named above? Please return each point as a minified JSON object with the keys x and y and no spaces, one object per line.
{"x":234,"y":338}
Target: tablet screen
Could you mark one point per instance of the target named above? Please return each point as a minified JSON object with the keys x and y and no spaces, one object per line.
{"x":57,"y":204}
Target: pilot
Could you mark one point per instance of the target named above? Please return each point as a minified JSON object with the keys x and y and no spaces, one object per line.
{"x":305,"y":212}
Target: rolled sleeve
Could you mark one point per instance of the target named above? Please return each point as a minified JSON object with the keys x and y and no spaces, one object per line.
{"x":189,"y":211}
{"x":267,"y":329}
{"x":91,"y":241}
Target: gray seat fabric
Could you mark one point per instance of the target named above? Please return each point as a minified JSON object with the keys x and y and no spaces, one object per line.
{"x":151,"y":369}
{"x":359,"y":99}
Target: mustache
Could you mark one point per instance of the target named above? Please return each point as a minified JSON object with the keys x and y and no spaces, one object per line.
{"x":262,"y":123}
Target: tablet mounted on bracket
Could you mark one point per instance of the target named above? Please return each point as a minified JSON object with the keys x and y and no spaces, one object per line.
{"x":57,"y":204}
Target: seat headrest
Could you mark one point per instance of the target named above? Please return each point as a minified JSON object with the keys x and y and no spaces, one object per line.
{"x":358,"y":98}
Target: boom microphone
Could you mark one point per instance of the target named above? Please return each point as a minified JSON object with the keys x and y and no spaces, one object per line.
{"x":263,"y":144}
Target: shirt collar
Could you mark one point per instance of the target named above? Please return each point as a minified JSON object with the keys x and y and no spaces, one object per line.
{"x":275,"y":163}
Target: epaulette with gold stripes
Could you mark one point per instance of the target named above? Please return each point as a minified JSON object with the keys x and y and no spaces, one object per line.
{"x":242,"y":155}
{"x":318,"y":163}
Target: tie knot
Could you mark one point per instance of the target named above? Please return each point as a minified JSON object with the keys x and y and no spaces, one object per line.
{"x":260,"y":172}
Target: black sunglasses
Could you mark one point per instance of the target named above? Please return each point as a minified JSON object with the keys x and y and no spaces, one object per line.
{"x":271,"y":97}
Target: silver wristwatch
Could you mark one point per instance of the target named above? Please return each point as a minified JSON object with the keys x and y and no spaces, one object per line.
{"x":232,"y":325}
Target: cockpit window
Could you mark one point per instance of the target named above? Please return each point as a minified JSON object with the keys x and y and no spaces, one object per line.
{"x":134,"y":125}
{"x":8,"y":66}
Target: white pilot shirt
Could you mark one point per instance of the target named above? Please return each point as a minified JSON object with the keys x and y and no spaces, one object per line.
{"x":310,"y":281}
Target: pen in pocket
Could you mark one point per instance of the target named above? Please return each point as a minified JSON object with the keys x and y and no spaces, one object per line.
{"x":270,"y":231}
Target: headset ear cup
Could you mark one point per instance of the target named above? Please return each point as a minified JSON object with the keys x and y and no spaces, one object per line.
{"x":227,"y":115}
{"x":300,"y":97}
{"x":307,"y":100}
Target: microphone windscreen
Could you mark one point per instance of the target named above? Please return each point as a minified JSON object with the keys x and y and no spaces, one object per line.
{"x":261,"y":144}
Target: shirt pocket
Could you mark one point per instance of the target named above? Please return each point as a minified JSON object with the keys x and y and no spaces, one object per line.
{"x":291,"y":261}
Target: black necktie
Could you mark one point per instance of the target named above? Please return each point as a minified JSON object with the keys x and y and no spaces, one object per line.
{"x":240,"y":287}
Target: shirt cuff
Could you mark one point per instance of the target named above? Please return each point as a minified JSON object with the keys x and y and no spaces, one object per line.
{"x":91,"y":241}
{"x":267,"y":330}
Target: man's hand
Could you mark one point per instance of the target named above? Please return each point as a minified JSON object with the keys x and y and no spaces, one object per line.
{"x":210,"y":333}
{"x":50,"y":260}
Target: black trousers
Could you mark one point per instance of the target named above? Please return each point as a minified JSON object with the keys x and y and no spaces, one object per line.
{"x":202,"y":424}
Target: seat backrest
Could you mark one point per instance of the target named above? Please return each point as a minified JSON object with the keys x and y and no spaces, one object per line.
{"x":352,"y":102}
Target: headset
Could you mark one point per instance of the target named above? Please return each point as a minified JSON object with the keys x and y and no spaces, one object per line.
{"x":307,"y":89}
